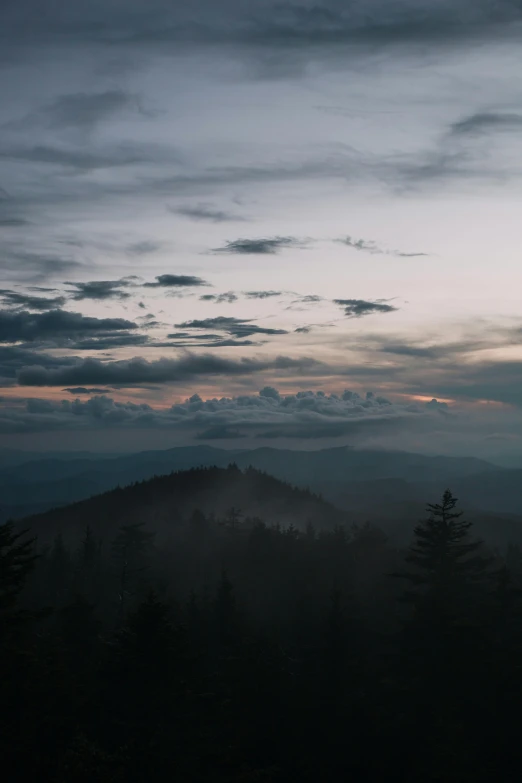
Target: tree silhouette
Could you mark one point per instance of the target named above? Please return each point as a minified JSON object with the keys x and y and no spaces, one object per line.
{"x":17,"y":561}
{"x":444,"y":559}
{"x":130,"y":552}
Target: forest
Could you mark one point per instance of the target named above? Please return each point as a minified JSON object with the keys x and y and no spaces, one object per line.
{"x":236,"y":649}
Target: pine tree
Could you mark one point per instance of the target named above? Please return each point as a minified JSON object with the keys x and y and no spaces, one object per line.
{"x":446,"y":563}
{"x":17,"y":561}
{"x":444,"y":646}
{"x":130,"y":552}
{"x":88,"y":561}
{"x":233,"y":518}
{"x":143,"y":684}
{"x":60,"y":571}
{"x":226,"y":617}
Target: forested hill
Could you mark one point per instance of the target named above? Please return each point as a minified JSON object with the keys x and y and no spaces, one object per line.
{"x":164,"y":503}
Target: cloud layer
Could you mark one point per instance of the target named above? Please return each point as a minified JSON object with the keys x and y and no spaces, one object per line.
{"x":304,"y":416}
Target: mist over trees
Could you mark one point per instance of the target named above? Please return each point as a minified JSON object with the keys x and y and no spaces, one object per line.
{"x":233,"y":648}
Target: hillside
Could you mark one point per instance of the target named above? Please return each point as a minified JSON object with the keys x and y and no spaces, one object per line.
{"x":166,"y":502}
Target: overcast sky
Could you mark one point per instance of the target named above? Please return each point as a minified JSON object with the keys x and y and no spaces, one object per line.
{"x":216,"y":199}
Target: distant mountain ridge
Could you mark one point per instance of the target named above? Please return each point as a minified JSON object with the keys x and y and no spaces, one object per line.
{"x":39,"y":484}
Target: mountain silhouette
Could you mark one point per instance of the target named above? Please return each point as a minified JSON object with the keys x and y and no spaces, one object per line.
{"x":166,"y":502}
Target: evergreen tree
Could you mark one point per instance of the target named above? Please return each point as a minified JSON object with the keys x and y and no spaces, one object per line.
{"x":226,"y":615}
{"x":444,"y":644}
{"x":88,"y":565}
{"x":131,"y":551}
{"x":144,"y":688}
{"x":445,"y":562}
{"x":17,"y":560}
{"x":60,"y":571}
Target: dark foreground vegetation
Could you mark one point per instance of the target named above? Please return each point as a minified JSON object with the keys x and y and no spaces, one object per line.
{"x":237,"y":651}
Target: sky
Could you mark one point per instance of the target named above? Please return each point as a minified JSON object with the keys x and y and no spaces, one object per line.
{"x":251,"y":222}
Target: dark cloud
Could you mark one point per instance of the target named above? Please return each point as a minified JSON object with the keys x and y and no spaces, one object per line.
{"x":496,"y":381}
{"x":266,"y":246}
{"x":355,"y":308}
{"x":369,"y":246}
{"x":303,"y":329}
{"x":101,"y":289}
{"x":300,"y":303}
{"x":140,"y":371}
{"x":13,"y":358}
{"x":485,"y":122}
{"x":261,"y":294}
{"x":237,"y":327}
{"x":31,"y":327}
{"x":227,"y":298}
{"x":361,"y":244}
{"x":310,"y":299}
{"x":82,"y":160}
{"x":36,"y":266}
{"x":86,"y":110}
{"x":331,"y":23}
{"x":16,"y":299}
{"x":79,"y":111}
{"x":205,"y":212}
{"x":181,"y":335}
{"x":12,"y":222}
{"x":263,"y":28}
{"x":82,"y":390}
{"x":188,"y":340}
{"x":431,"y":351}
{"x":176,"y":281}
{"x":109,"y":342}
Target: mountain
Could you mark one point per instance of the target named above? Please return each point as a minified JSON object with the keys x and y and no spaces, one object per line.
{"x":58,"y":480}
{"x":166,"y":502}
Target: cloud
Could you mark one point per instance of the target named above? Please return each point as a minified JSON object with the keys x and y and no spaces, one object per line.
{"x":82,"y":160}
{"x":176,"y":281}
{"x":261,"y":294}
{"x":139,"y":371}
{"x":36,"y":266}
{"x":109,"y":342}
{"x":361,"y":244}
{"x":309,"y":299}
{"x":262,"y":29}
{"x":208,"y":341}
{"x":369,"y":246}
{"x":431,"y":351}
{"x":238,"y":327}
{"x":13,"y":358}
{"x":143,"y":248}
{"x":82,"y":390}
{"x":84,"y":111}
{"x":205,"y":212}
{"x":101,"y":289}
{"x":266,"y":246}
{"x":16,"y":299}
{"x":229,"y":297}
{"x":355,"y":308}
{"x":486,"y":122}
{"x":269,"y":414}
{"x":31,"y":327}
{"x":497,"y":381}
{"x":12,"y":222}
